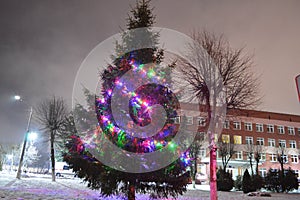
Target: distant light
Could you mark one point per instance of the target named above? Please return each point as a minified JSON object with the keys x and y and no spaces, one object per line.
{"x":32,"y":136}
{"x":17,"y":97}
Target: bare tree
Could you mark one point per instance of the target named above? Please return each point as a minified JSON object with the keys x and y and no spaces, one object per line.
{"x":213,"y":59}
{"x":51,"y":114}
{"x":258,"y":151}
{"x":282,"y":159}
{"x":226,"y":151}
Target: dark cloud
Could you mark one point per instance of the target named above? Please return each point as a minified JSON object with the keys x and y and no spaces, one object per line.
{"x":42,"y":44}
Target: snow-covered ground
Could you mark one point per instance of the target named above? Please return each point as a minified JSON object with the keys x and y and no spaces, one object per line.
{"x":41,"y":187}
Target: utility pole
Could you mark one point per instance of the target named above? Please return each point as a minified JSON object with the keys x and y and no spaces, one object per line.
{"x":24,"y":145}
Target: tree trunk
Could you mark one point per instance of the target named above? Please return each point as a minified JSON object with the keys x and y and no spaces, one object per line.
{"x":251,"y":165}
{"x":282,"y":175}
{"x":131,"y":191}
{"x":52,"y":155}
{"x":257,"y":161}
{"x":213,"y":173}
{"x":195,"y":174}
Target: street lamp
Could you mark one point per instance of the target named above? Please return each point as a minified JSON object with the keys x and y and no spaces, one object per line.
{"x":32,"y":136}
{"x":18,"y":98}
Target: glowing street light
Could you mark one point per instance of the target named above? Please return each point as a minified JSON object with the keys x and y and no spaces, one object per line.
{"x":17,"y":97}
{"x":32,"y":136}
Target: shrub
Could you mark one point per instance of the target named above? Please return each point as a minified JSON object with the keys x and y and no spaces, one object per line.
{"x":272,"y":181}
{"x":257,"y":182}
{"x":224,"y":181}
{"x":247,"y":183}
{"x":275,"y":182}
{"x":238,"y":183}
{"x":290,"y":181}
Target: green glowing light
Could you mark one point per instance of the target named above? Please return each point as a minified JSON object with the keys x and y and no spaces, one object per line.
{"x":151,"y":73}
{"x":172,"y":146}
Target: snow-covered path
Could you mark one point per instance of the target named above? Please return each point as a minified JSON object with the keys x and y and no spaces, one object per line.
{"x":41,"y":187}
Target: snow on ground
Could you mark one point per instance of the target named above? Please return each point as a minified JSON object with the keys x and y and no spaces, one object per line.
{"x":35,"y":186}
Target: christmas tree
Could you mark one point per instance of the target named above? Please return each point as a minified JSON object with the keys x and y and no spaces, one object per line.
{"x":170,"y":180}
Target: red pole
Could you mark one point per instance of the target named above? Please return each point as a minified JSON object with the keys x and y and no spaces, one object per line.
{"x":213,"y":172}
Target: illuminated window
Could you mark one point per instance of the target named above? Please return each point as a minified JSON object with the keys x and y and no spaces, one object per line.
{"x":237,"y":125}
{"x":225,"y":138}
{"x":259,"y":128}
{"x":237,"y":139}
{"x":216,"y":138}
{"x":270,"y":128}
{"x":248,"y":126}
{"x":273,"y":157}
{"x":280,"y":129}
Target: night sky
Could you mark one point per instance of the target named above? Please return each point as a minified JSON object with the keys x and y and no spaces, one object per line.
{"x":43,"y":43}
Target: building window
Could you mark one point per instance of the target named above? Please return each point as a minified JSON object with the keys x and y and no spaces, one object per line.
{"x":260,"y":141}
{"x":189,"y":120}
{"x":262,"y":156}
{"x":237,"y":125}
{"x":200,"y":136}
{"x":248,"y":126}
{"x":293,"y":144}
{"x":296,"y":172}
{"x":271,"y":142}
{"x":284,"y":158}
{"x":239,"y":155}
{"x":177,"y":120}
{"x":237,"y":139}
{"x":249,"y":140}
{"x":294,"y":158}
{"x":299,"y":131}
{"x":259,"y":128}
{"x":273,"y":157}
{"x":280,"y":129}
{"x":202,"y":152}
{"x":226,"y":124}
{"x":201,"y":121}
{"x":282,"y":143}
{"x":270,"y":128}
{"x":291,"y":130}
{"x":263,"y":172}
{"x":225,"y":138}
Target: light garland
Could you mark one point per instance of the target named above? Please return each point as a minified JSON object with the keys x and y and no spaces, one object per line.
{"x":140,"y":107}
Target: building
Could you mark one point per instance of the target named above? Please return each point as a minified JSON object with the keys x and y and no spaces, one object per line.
{"x":249,"y":132}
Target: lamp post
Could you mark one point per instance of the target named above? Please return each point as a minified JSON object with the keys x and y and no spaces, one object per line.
{"x":25,"y":140}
